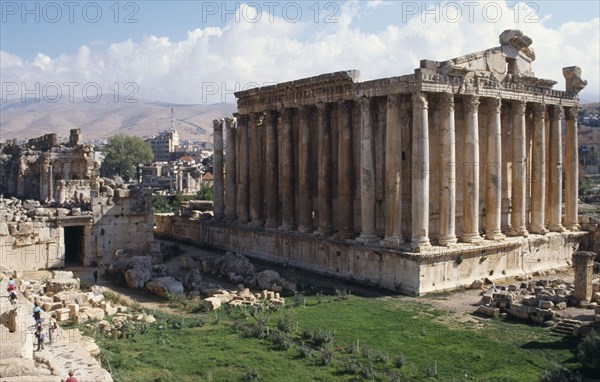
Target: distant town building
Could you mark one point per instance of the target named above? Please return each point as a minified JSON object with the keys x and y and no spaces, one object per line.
{"x":182,"y":176}
{"x":164,"y":144}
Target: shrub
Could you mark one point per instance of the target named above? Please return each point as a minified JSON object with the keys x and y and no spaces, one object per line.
{"x":381,"y":357}
{"x":326,"y":356}
{"x":589,"y":351}
{"x":367,"y":371}
{"x":400,"y":361}
{"x":305,"y":351}
{"x":285,"y":323}
{"x":252,"y":376}
{"x":459,"y":259}
{"x":281,"y":340}
{"x":352,"y":366}
{"x":85,"y":286}
{"x":321,"y":337}
{"x":366,"y":351}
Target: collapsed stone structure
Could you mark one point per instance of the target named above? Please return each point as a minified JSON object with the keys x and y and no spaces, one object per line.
{"x":61,"y":210}
{"x":403,"y":182}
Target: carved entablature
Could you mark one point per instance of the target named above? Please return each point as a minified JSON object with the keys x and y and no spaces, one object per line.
{"x":503,"y":71}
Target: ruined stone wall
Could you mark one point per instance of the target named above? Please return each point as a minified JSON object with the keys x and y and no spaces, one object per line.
{"x":123,"y":222}
{"x":30,"y":238}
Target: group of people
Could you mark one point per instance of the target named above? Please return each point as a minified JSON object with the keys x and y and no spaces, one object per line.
{"x":39,"y":323}
{"x":39,"y":327}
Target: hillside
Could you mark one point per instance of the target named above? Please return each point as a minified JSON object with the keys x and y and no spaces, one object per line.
{"x":102,"y":119}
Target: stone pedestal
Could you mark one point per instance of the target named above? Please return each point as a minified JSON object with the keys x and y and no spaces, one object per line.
{"x":584,"y":266}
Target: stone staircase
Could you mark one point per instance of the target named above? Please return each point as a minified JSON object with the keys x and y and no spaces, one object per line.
{"x":567,"y":327}
{"x":68,"y":351}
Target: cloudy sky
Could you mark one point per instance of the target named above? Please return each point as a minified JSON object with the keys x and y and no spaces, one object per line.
{"x":201,"y":52}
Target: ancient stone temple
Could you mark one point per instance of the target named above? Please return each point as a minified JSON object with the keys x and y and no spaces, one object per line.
{"x":416,"y":183}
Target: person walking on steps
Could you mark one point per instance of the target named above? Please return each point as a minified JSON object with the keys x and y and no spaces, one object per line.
{"x":71,"y":377}
{"x":37,"y":313}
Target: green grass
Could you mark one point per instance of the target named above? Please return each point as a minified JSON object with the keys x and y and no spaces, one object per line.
{"x":216,"y":351}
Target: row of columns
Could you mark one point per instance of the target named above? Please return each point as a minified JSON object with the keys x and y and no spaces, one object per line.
{"x":246,"y":183}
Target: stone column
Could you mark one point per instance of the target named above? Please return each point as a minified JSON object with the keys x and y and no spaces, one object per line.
{"x":393,"y":172}
{"x":584,"y":267}
{"x":50,"y":182}
{"x":471,"y":171}
{"x":448,"y":173}
{"x":305,"y":199}
{"x":324,"y":170}
{"x":493,"y":173}
{"x":272,"y":173}
{"x":345,"y":171}
{"x":230,"y":175}
{"x":243,"y":184}
{"x":367,"y":174}
{"x":256,"y":170}
{"x":519,"y":172}
{"x":287,"y":173}
{"x":218,"y":185}
{"x":538,"y":171}
{"x":571,"y":170}
{"x":554,"y":217}
{"x":420,"y":173}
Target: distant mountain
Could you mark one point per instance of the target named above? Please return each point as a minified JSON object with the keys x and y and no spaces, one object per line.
{"x":99,"y":120}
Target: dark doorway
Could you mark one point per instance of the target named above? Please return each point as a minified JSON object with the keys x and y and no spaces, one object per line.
{"x":74,"y":245}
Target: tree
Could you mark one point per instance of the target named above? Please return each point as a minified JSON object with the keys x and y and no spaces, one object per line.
{"x":205,"y":192}
{"x":123,"y":153}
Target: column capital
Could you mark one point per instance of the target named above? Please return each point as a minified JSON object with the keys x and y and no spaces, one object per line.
{"x":363,"y":102}
{"x":393,"y":100}
{"x":495,"y":104}
{"x":539,"y":110}
{"x":571,"y":113}
{"x":287,"y":114}
{"x":230,"y":122}
{"x":420,"y":100}
{"x":322,"y":107}
{"x":242,"y":119}
{"x":471,"y":103}
{"x":519,"y":107}
{"x":555,"y":112}
{"x":345,"y":105}
{"x":447,"y":103}
{"x":218,"y":124}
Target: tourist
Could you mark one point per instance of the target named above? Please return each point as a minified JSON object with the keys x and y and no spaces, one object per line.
{"x":11,"y":286}
{"x":40,"y":338}
{"x":36,"y":313}
{"x":71,"y":377}
{"x":95,"y":276}
{"x":51,"y":328}
{"x":13,"y":298}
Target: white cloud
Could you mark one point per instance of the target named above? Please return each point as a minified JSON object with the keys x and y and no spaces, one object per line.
{"x":223,"y":60}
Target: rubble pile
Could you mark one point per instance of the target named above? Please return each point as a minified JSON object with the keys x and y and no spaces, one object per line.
{"x":242,"y":297}
{"x":539,"y":301}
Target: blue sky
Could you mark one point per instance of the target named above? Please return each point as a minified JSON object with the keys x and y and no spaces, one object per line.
{"x":168,"y":48}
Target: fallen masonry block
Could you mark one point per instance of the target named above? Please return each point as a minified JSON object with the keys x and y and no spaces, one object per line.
{"x":488,"y":311}
{"x":62,"y":314}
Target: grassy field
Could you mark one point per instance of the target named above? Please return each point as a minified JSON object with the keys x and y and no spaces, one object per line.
{"x":334,"y":339}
